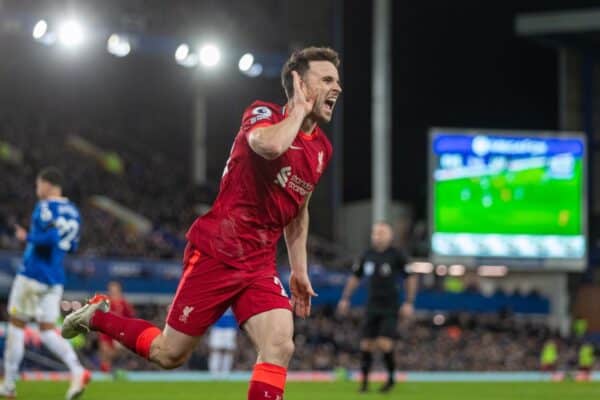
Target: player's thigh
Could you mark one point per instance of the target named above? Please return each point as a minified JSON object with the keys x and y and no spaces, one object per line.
{"x":272,"y":334}
{"x":264,"y":311}
{"x":23,"y":298}
{"x":48,"y":309}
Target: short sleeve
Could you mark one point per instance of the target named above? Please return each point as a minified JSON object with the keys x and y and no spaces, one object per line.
{"x":401,"y":264}
{"x":256,"y":116}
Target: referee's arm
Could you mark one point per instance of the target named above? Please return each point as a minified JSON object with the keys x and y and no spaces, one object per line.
{"x":410,"y":288}
{"x":351,"y":285}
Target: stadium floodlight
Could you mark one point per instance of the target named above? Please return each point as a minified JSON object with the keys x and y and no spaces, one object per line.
{"x":246,"y":62}
{"x":210,"y":55}
{"x":40,"y":29}
{"x":184,"y":57}
{"x":255,"y":70}
{"x":183,"y":50}
{"x":70,"y":33}
{"x":118,"y":45}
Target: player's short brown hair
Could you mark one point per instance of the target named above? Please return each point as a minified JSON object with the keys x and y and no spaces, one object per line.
{"x":299,"y":62}
{"x":52,"y":175}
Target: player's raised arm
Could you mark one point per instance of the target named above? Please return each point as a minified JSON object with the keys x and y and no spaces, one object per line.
{"x":270,"y":142}
{"x":296,"y":234}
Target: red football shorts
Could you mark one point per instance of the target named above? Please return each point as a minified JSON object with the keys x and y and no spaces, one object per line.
{"x":208,"y":287}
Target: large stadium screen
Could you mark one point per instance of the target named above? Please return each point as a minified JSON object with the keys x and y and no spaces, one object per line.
{"x":512,"y":197}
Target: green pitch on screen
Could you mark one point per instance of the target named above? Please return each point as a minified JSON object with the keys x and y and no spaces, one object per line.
{"x":521,"y":202}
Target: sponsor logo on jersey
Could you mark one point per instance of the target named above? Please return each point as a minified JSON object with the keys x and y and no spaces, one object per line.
{"x":187,"y":310}
{"x":283,"y":176}
{"x":286,"y":179}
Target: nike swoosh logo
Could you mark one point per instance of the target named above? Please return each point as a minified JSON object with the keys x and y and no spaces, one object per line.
{"x":295,"y":148}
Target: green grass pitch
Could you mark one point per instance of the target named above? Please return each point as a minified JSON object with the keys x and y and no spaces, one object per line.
{"x":318,"y":391}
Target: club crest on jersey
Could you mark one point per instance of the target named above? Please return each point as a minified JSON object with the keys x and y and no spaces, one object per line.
{"x":320,"y":160}
{"x":286,"y":179}
{"x":187,"y":310}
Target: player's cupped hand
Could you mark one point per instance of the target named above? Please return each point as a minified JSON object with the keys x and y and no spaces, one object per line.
{"x":302,"y":98}
{"x":302,"y":292}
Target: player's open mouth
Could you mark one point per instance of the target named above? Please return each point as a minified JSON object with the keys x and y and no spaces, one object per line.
{"x":329,"y":104}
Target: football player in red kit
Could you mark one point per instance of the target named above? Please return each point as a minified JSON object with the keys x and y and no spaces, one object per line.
{"x":276,"y":160}
{"x":107,"y":350}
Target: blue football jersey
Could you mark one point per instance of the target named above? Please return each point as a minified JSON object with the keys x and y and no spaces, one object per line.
{"x":227,"y":320}
{"x":54,"y":232}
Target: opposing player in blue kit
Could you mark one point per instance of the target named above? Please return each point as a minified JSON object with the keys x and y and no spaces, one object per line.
{"x":38,"y":286}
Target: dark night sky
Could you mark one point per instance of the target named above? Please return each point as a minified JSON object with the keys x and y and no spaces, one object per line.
{"x":454,"y":64}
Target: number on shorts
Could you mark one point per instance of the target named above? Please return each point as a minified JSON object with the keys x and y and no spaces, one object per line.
{"x":278,"y":283}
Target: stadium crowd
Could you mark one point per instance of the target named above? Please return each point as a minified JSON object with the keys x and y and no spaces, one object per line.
{"x":109,"y":160}
{"x":457,"y":342}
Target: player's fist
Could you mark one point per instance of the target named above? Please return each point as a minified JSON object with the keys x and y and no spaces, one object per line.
{"x":407,"y":310}
{"x":302,"y":292}
{"x":20,"y":233}
{"x":301,"y":100}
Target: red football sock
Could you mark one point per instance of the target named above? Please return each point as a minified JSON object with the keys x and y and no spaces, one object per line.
{"x":135,"y":334}
{"x":105,"y":366}
{"x":267,"y":382}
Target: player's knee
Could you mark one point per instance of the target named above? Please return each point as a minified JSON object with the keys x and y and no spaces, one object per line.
{"x":282,"y":350}
{"x":172,"y":361}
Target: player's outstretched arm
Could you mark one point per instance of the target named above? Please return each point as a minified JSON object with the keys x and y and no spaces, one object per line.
{"x":270,"y":142}
{"x":296,"y":234}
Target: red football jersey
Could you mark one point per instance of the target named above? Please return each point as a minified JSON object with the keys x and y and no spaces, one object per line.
{"x":122,"y":308}
{"x":259,"y":197}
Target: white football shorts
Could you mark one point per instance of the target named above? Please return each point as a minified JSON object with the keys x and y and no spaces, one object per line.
{"x":30,"y":299}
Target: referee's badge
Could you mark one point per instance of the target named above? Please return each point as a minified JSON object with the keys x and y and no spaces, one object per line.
{"x":386,"y":270}
{"x":369,"y":268}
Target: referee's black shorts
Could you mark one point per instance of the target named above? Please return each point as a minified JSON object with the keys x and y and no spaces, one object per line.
{"x":380,"y":324}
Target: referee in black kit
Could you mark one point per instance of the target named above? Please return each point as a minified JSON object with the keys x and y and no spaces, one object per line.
{"x":383,"y":265}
